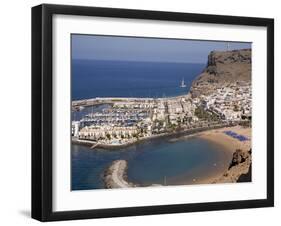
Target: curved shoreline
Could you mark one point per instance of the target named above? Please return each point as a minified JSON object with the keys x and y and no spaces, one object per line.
{"x":239,"y":172}
{"x":115,"y":176}
{"x":238,"y":169}
{"x":175,"y":135}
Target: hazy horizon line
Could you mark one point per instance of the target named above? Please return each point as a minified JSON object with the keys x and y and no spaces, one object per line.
{"x":141,"y":61}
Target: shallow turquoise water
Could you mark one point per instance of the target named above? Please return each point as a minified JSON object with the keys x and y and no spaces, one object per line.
{"x":151,"y":162}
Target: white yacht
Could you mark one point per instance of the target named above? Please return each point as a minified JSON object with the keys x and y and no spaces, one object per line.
{"x":183,"y":85}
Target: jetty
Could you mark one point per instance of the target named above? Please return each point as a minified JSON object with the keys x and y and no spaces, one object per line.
{"x":77,"y":104}
{"x":116,"y":177}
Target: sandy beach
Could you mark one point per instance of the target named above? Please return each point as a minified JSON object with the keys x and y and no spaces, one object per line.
{"x":230,"y":144}
{"x":115,"y":175}
{"x":219,"y":137}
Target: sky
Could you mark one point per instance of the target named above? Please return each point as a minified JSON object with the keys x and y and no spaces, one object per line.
{"x":93,"y":47}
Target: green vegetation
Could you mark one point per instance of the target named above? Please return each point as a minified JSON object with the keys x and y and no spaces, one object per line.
{"x":205,"y":115}
{"x":171,"y":127}
{"x":116,"y":100}
{"x":246,"y":123}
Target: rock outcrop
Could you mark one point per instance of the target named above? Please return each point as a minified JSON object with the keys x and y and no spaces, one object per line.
{"x":239,"y":169}
{"x":223,"y":68}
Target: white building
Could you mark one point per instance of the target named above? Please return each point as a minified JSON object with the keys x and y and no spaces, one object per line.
{"x":75,"y":128}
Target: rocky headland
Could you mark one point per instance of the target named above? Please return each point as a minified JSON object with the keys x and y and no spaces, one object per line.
{"x":223,"y":68}
{"x":239,"y":169}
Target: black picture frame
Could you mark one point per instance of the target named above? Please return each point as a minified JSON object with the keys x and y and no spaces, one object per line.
{"x":42,"y":107}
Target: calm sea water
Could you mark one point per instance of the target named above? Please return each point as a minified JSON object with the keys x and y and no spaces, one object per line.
{"x":130,"y":79}
{"x":149,"y":162}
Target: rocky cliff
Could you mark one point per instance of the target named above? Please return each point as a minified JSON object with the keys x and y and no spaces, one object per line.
{"x":240,"y":168}
{"x":223,"y":68}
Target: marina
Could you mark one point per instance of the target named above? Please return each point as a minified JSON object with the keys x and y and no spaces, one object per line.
{"x":145,"y":123}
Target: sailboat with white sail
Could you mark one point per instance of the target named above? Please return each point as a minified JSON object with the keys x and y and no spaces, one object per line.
{"x":183,"y":85}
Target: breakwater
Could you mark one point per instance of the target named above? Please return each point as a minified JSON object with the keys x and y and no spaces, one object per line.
{"x":239,"y":170}
{"x":115,"y":175}
{"x":150,"y":162}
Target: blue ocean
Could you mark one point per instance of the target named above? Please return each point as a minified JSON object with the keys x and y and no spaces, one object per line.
{"x":151,"y":161}
{"x":96,"y":78}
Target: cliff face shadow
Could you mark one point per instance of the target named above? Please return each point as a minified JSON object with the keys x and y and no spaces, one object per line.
{"x":246,"y":177}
